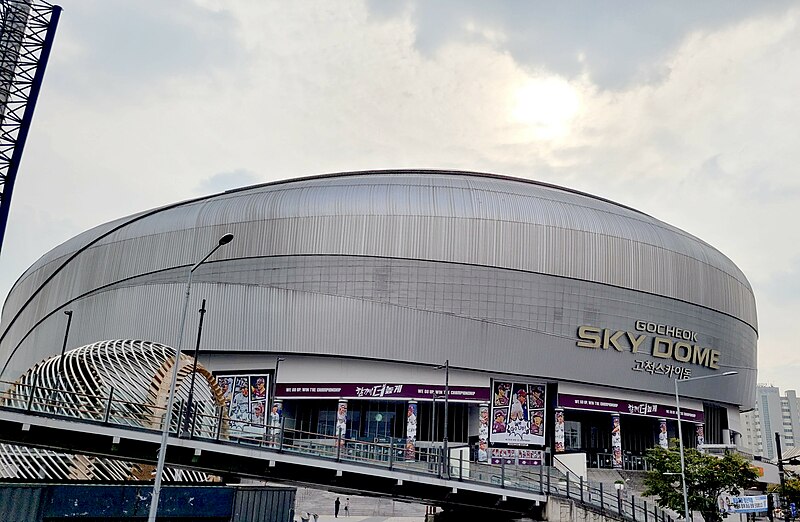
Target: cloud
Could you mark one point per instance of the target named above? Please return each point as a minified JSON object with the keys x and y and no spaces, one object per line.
{"x":685,"y":112}
{"x":616,"y":44}
{"x":223,"y":181}
{"x":126,"y":50}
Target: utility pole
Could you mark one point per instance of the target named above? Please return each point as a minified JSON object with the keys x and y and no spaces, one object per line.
{"x":190,"y":403}
{"x":784,"y":507}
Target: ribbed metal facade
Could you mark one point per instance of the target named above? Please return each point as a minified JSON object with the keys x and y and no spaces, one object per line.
{"x":414,"y":266}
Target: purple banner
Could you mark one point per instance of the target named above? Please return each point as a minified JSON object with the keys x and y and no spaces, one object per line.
{"x":647,"y":409}
{"x":420,"y":392}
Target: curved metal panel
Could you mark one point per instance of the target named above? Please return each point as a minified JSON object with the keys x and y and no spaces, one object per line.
{"x":387,"y":230}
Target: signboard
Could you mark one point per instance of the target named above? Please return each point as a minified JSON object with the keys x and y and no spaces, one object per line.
{"x":518,"y":413}
{"x":400,"y":391}
{"x":512,"y":457}
{"x":647,"y":409}
{"x":667,"y":350}
{"x":245,"y":402}
{"x":749,"y":504}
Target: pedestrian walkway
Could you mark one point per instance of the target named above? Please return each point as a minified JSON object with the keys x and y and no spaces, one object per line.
{"x":331,"y":518}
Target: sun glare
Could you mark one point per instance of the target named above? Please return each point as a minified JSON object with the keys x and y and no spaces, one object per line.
{"x":546,"y":106}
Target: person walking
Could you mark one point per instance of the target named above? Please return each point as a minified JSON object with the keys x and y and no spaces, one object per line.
{"x":336,"y":508}
{"x":347,"y":507}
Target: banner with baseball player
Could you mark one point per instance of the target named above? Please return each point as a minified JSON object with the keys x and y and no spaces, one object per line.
{"x":517,"y":414}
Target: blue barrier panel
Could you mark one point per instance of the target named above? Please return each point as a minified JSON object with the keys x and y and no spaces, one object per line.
{"x":107,"y":501}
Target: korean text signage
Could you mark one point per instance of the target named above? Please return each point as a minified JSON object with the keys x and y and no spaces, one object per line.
{"x":748,"y":504}
{"x":647,"y":409}
{"x":517,"y":457}
{"x":666,"y":344}
{"x":385,"y":391}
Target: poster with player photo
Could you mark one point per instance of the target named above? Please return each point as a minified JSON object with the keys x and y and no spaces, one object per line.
{"x":537,"y":423}
{"x":245,"y":402}
{"x":501,"y":394}
{"x":519,"y":423}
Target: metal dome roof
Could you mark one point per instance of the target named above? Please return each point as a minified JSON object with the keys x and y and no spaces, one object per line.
{"x":460,"y":217}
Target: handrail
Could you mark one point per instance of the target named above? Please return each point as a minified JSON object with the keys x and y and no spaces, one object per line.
{"x":219,"y":428}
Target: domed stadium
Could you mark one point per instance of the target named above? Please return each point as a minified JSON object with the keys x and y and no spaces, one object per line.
{"x":353,"y":301}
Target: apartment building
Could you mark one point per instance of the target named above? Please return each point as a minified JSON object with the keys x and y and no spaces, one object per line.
{"x":774,"y":413}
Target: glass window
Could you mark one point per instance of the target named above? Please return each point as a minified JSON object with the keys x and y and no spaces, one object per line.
{"x":572,"y":435}
{"x":326,"y":422}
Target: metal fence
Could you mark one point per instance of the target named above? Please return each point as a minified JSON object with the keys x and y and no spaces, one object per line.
{"x":542,"y":479}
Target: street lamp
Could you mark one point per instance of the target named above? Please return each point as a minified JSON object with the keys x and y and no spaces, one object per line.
{"x":274,"y":430}
{"x":446,"y":368}
{"x":68,"y":313}
{"x":680,"y":435}
{"x":275,"y":380}
{"x":162,"y":451}
{"x":189,"y":403}
{"x":782,"y":474}
{"x":60,"y":383}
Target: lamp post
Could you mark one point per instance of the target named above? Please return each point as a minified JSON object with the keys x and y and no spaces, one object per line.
{"x":189,"y":403}
{"x":782,"y":474}
{"x":162,"y":451}
{"x":275,"y":380}
{"x":60,"y":384}
{"x":680,"y":435}
{"x":274,"y":424}
{"x":68,"y":313}
{"x":446,"y":368}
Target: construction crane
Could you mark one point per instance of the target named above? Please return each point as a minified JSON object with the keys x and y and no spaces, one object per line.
{"x":27,"y":31}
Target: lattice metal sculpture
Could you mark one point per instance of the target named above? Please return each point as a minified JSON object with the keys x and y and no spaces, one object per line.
{"x":120,"y":381}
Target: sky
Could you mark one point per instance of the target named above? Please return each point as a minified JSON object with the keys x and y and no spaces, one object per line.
{"x":684,"y":110}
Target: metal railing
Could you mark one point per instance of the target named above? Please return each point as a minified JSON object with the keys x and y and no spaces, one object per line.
{"x":609,"y":499}
{"x":219,"y":428}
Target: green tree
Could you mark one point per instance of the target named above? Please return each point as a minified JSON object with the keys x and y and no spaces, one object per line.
{"x":791,"y":493}
{"x":707,"y":476}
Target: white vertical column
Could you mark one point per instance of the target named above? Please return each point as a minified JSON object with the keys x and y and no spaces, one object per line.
{"x":663,"y":439}
{"x":341,"y":419}
{"x":559,"y":430}
{"x":483,"y":433}
{"x":616,"y":441}
{"x":411,"y":430}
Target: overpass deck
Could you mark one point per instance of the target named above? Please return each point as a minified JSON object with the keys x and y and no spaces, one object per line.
{"x":111,"y":428}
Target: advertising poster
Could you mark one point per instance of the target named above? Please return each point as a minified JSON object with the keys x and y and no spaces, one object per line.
{"x":275,"y":414}
{"x":411,"y":430}
{"x":226,"y":385}
{"x":559,"y":431}
{"x":616,"y":442}
{"x":257,"y":412}
{"x":663,"y":439}
{"x":258,"y":388}
{"x":701,"y":435}
{"x":483,"y":433}
{"x":501,"y":391}
{"x":341,"y":419}
{"x":507,"y":456}
{"x":517,"y":414}
{"x":748,"y":504}
{"x":520,"y":457}
{"x":245,"y":403}
{"x":528,"y":457}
